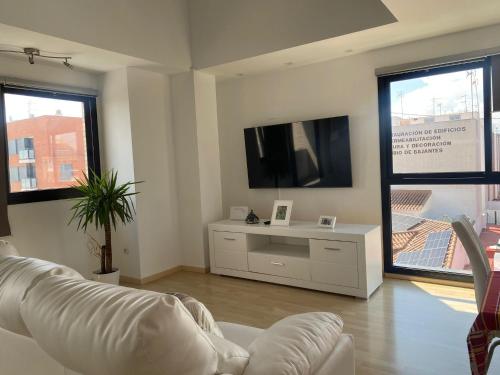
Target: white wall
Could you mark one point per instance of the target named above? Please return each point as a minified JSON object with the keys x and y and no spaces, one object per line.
{"x":187,"y":171}
{"x":116,"y":142}
{"x":155,"y":30}
{"x":208,"y":154}
{"x":198,"y":165}
{"x":153,"y":150}
{"x":345,"y":86}
{"x":40,"y":229}
{"x":229,"y":30}
{"x":138,"y":143}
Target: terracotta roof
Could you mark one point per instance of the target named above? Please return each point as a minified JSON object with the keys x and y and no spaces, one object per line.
{"x":400,"y":240}
{"x":410,"y":201}
{"x":415,"y":238}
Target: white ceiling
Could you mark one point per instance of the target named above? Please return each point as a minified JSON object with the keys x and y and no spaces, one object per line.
{"x":417,"y":19}
{"x":83,"y":56}
{"x":228,"y":30}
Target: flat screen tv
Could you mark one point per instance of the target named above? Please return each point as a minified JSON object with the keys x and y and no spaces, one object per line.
{"x":306,"y":154}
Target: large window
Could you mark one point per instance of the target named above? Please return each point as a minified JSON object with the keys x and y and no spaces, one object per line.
{"x":439,"y":159}
{"x":51,"y":141}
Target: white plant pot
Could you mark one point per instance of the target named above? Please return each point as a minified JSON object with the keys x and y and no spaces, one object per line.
{"x":108,"y":278}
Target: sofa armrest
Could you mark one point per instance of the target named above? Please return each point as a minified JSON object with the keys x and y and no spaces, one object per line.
{"x":296,"y":345}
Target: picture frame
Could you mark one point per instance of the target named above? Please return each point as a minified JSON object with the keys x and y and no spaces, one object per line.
{"x":327,"y":221}
{"x":238,"y":213}
{"x":282,"y":211}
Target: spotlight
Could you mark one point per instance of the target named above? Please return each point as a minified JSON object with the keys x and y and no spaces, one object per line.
{"x":67,"y":64}
{"x":31,"y":52}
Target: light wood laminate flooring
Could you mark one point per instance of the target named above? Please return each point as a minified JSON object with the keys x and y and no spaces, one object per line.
{"x":408,"y":328}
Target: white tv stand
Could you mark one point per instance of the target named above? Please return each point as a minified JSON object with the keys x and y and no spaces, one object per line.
{"x":347,"y":260}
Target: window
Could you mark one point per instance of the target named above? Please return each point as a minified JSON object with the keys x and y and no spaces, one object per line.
{"x":52,"y":139}
{"x":27,"y":177}
{"x":66,"y":172}
{"x":438,"y":116}
{"x":436,"y":128}
{"x":14,"y":174}
{"x":23,"y":148}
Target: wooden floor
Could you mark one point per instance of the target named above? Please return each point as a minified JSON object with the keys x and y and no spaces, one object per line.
{"x":405,"y":328}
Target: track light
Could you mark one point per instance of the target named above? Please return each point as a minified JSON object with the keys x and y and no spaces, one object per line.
{"x":67,"y":64}
{"x":32,"y":52}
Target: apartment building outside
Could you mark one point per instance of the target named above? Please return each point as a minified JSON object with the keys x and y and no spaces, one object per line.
{"x":46,"y":152}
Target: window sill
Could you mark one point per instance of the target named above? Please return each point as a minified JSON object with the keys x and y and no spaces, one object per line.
{"x":42,"y":196}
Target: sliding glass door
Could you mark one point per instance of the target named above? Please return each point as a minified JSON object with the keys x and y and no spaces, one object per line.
{"x":439,"y":159}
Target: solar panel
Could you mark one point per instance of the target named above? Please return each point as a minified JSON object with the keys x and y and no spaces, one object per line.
{"x":433,"y":253}
{"x":401,"y":223}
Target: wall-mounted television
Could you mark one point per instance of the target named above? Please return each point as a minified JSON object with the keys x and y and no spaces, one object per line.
{"x":308,"y":154}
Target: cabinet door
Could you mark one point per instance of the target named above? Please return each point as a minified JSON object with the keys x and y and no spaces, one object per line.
{"x":231,"y":250}
{"x":335,"y":274}
{"x":334,"y":262}
{"x":339,"y":252}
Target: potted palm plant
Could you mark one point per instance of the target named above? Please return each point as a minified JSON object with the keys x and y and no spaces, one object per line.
{"x":103,"y":203}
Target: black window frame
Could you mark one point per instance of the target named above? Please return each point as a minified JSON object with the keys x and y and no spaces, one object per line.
{"x":389,"y":178}
{"x":91,"y":134}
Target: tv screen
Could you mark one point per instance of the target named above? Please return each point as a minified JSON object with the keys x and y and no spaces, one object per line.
{"x":311,"y":154}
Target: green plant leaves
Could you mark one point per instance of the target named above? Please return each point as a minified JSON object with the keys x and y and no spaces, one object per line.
{"x":103,"y":201}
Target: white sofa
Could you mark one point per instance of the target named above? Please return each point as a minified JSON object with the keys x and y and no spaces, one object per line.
{"x":94,"y":328}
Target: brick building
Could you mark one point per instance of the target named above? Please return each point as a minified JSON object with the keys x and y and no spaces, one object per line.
{"x":46,"y":152}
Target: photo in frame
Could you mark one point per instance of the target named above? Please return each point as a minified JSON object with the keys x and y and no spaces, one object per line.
{"x":238,"y":213}
{"x":282,"y":211}
{"x":327,"y":221}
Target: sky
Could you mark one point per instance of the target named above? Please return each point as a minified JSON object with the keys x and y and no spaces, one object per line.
{"x":437,"y":94}
{"x":18,"y":107}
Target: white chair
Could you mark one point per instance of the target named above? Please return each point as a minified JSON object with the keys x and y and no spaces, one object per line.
{"x":480,"y":266}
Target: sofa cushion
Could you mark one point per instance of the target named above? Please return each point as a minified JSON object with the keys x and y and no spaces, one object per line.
{"x":17,"y":276}
{"x":200,"y":314}
{"x":6,"y":248}
{"x":239,"y":334}
{"x":231,"y":358}
{"x":296,"y":345}
{"x":96,"y":328}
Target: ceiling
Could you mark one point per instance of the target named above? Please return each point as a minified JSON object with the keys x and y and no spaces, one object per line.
{"x":222,"y":31}
{"x":83,"y":56}
{"x":416,"y":20}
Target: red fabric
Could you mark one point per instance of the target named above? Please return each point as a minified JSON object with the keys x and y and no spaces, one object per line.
{"x":487,"y":320}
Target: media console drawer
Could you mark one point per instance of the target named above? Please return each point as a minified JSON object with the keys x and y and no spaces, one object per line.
{"x":279,"y":265}
{"x":230,"y":250}
{"x":230,"y":241}
{"x":339,"y":252}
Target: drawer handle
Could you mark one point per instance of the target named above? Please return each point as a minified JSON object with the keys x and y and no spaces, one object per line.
{"x":281,"y":264}
{"x":230,"y":239}
{"x":333,"y":248}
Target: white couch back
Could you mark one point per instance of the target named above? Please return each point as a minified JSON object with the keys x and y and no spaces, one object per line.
{"x":96,"y":328}
{"x":18,"y":276}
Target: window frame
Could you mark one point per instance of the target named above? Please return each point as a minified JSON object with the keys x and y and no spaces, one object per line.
{"x":389,"y":178}
{"x":91,"y":135}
